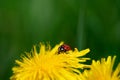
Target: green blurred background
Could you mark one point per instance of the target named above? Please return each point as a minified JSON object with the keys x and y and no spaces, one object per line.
{"x":93,"y":24}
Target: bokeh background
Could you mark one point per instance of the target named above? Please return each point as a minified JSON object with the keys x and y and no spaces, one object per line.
{"x":93,"y":24}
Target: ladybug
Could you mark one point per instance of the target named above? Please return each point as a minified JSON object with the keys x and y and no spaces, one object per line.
{"x":64,"y":48}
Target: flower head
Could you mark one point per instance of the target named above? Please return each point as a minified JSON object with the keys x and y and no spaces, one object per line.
{"x":102,"y":70}
{"x":47,"y":64}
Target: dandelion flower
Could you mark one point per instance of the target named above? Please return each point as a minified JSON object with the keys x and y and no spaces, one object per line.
{"x":102,"y":70}
{"x":47,"y":64}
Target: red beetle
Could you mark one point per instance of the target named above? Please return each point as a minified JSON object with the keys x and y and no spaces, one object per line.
{"x":64,"y":48}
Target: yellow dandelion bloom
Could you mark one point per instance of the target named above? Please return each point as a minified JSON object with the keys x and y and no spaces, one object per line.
{"x":47,"y":64}
{"x":102,"y":70}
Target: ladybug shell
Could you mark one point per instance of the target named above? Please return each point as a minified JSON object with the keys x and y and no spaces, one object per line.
{"x":64,"y":48}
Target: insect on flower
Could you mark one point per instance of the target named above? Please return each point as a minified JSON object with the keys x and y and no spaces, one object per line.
{"x":64,"y":48}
